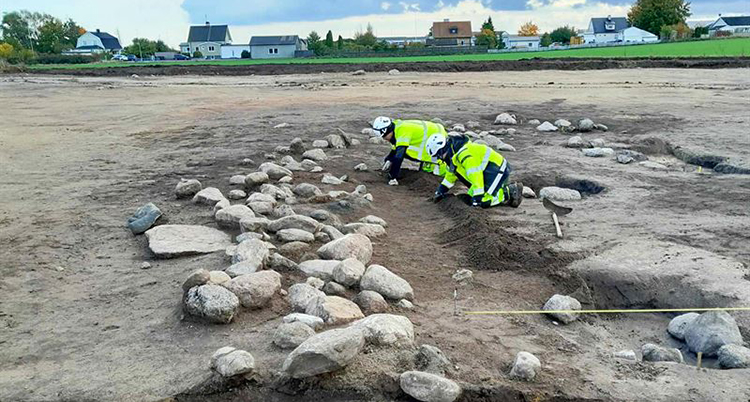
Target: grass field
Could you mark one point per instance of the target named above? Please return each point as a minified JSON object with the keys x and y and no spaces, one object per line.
{"x":705,"y":48}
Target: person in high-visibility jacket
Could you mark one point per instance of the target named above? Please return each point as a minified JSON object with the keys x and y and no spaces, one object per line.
{"x":408,"y":139}
{"x":479,"y":167}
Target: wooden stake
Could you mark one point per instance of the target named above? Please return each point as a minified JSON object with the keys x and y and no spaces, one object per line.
{"x":700,"y":359}
{"x":557,"y":225}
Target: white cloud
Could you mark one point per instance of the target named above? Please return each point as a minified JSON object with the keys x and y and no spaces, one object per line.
{"x":439,"y":5}
{"x":385,"y":5}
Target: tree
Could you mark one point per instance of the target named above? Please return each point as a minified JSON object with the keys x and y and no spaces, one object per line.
{"x":700,"y":31}
{"x":329,"y":40}
{"x":528,"y":29}
{"x":144,"y":47}
{"x":488,"y":25}
{"x":545,"y":40}
{"x":197,"y":54}
{"x":6,"y":51}
{"x":652,"y":15}
{"x":563,"y":34}
{"x":245,"y":54}
{"x":367,"y":38}
{"x":677,"y":31}
{"x":340,"y":43}
{"x":487,"y":38}
{"x":40,"y":32}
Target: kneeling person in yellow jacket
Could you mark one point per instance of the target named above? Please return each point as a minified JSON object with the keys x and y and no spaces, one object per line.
{"x":408,"y":139}
{"x":478,"y":166}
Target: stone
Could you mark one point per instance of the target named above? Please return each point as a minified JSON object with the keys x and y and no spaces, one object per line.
{"x":209,"y":196}
{"x":231,"y":216}
{"x":261,"y":208}
{"x":274,"y":171}
{"x":559,"y":194}
{"x":237,"y":180}
{"x":292,"y":334}
{"x":255,"y":290}
{"x":316,"y":169}
{"x":320,"y":144}
{"x":505,"y":118}
{"x":534,"y":122}
{"x":143,"y":218}
{"x":348,"y":272}
{"x":236,"y":194}
{"x":387,"y":330}
{"x":253,"y":252}
{"x":734,"y":357}
{"x":278,"y":262}
{"x":546,"y":127}
{"x":187,"y":188}
{"x":282,"y":149}
{"x":405,"y":304}
{"x":297,"y":146}
{"x":294,"y":249}
{"x":169,"y":241}
{"x":597,"y":143}
{"x":368,"y":197}
{"x":322,"y":237}
{"x":230,"y":362}
{"x":463,"y":276}
{"x":282,"y":211}
{"x":432,"y":360}
{"x":271,"y":156}
{"x":330,"y":179}
{"x":679,"y":324}
{"x":282,"y":125}
{"x":197,"y":278}
{"x":459,"y":128}
{"x":710,"y":331}
{"x":247,"y":162}
{"x":325,"y":352}
{"x":320,"y":215}
{"x":212,"y":303}
{"x":655,"y":353}
{"x":218,"y":277}
{"x":585,"y":125}
{"x":528,"y":192}
{"x":562,"y":123}
{"x":335,"y":141}
{"x":428,"y":387}
{"x":525,"y":367}
{"x":359,"y":72}
{"x":626,"y":355}
{"x":242,"y":268}
{"x":322,"y":269}
{"x":335,"y":310}
{"x":303,"y":297}
{"x":379,"y":279}
{"x":562,"y":302}
{"x":598,"y":152}
{"x":372,"y":219}
{"x":361,"y":167}
{"x":368,"y":229}
{"x":371,"y":302}
{"x":393,"y":72}
{"x":273,"y":191}
{"x":145,"y":265}
{"x":575,"y":142}
{"x":307,"y":190}
{"x":376,"y":140}
{"x":317,"y":283}
{"x":257,"y":224}
{"x":332,"y":232}
{"x":310,"y":320}
{"x":290,"y":235}
{"x":317,"y":155}
{"x":635,"y":155}
{"x":653,"y":165}
{"x":260,"y":197}
{"x":221,"y":205}
{"x":334,"y":289}
{"x":295,"y":222}
{"x":600,"y":127}
{"x":348,"y":246}
{"x":256,"y":179}
{"x":247,"y":236}
{"x":624,"y":159}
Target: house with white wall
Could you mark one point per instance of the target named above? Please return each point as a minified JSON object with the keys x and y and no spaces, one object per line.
{"x":732,"y":25}
{"x":276,"y":47}
{"x":97,"y":41}
{"x":605,"y":30}
{"x":636,"y":35}
{"x":234,"y":51}
{"x":206,"y":39}
{"x":520,"y":42}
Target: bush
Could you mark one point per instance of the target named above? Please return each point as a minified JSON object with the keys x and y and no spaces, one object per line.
{"x":197,"y":54}
{"x":48,"y":58}
{"x":6,"y":50}
{"x":245,"y":54}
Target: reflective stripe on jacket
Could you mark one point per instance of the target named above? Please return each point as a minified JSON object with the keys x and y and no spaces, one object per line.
{"x":413,"y":134}
{"x":470,"y":163}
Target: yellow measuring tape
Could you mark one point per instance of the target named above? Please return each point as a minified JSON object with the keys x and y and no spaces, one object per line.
{"x":647,"y":310}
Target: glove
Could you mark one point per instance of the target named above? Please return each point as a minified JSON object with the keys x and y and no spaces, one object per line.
{"x":386,"y":166}
{"x":393,"y":182}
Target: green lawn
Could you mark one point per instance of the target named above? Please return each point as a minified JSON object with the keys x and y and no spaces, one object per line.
{"x":705,"y":48}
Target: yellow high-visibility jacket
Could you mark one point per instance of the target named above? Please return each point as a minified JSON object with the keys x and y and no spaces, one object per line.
{"x":470,"y":163}
{"x":413,"y":134}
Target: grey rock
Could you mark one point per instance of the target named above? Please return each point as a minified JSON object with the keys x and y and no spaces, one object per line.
{"x":252,"y":251}
{"x":525,"y":367}
{"x":432,"y":360}
{"x":428,"y":387}
{"x":585,"y":125}
{"x":145,"y":265}
{"x":348,"y":272}
{"x":261,"y":208}
{"x":562,"y":123}
{"x":635,"y":155}
{"x":624,"y":159}
{"x":169,"y":241}
{"x":260,"y":197}
{"x":317,"y":283}
{"x":291,"y":335}
{"x":307,"y":190}
{"x":143,"y":218}
{"x":655,"y":353}
{"x":679,"y":324}
{"x":302,"y":297}
{"x":393,"y":72}
{"x":242,"y":268}
{"x":256,"y":179}
{"x":209,"y":196}
{"x":318,"y":155}
{"x":561,"y":302}
{"x":597,"y":143}
{"x":230,"y":362}
{"x":197,"y":278}
{"x":626,"y":355}
{"x":320,"y":215}
{"x":257,"y":224}
{"x":710,"y":331}
{"x":575,"y":142}
{"x":379,"y":279}
{"x":322,"y":269}
{"x":559,"y":194}
{"x":387,"y":329}
{"x":376,"y":140}
{"x":320,"y":144}
{"x":601,"y":127}
{"x":505,"y":118}
{"x":278,"y":262}
{"x":231,"y":216}
{"x":734,"y":357}
{"x":359,"y":72}
{"x":371,"y":302}
{"x":237,"y":180}
{"x":237,"y":194}
{"x":325,"y":352}
{"x":361,"y":167}
{"x":334,"y":289}
{"x":274,"y":171}
{"x":297,"y":146}
{"x":247,"y":162}
{"x":349,"y":246}
{"x":330,"y":179}
{"x":290,"y":235}
{"x":283,"y":211}
{"x":335,"y":141}
{"x":295,"y":222}
{"x":546,"y":127}
{"x":310,"y":320}
{"x":322,"y":237}
{"x":528,"y":192}
{"x":459,"y":128}
{"x":294,"y":249}
{"x":405,"y":304}
{"x":332,"y":232}
{"x":282,"y":149}
{"x":368,"y":229}
{"x":598,"y":152}
{"x":247,"y":236}
{"x":219,"y":277}
{"x":335,"y":310}
{"x":187,"y":188}
{"x":221,"y":205}
{"x":255,"y":290}
{"x":534,"y":122}
{"x":213,"y":303}
{"x":463,"y":276}
{"x":372,"y":219}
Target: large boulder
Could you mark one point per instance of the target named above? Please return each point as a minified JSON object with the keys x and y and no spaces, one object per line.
{"x":335,"y":310}
{"x":322,"y":269}
{"x":561,"y":302}
{"x":252,"y":251}
{"x":428,"y":387}
{"x":209,"y":196}
{"x":292,"y":334}
{"x":290,"y":235}
{"x":176,"y":240}
{"x":261,"y":208}
{"x":257,"y":224}
{"x":506,"y":118}
{"x":318,"y":155}
{"x":231,"y":216}
{"x":274,"y":171}
{"x":350,"y":246}
{"x":230,"y":362}
{"x":307,"y":190}
{"x":256,"y":179}
{"x":379,"y":279}
{"x":297,"y":146}
{"x":212,"y":303}
{"x":546,"y":127}
{"x":260,"y":197}
{"x":368,"y":229}
{"x":710,"y":331}
{"x":585,"y":125}
{"x":325,"y":352}
{"x":734,"y":357}
{"x":656,"y":353}
{"x":187,"y":188}
{"x":348,"y":272}
{"x":525,"y":367}
{"x":432,"y":360}
{"x":303,"y":297}
{"x":559,"y":194}
{"x":332,"y":232}
{"x":294,"y":222}
{"x":242,"y":268}
{"x":336,"y":141}
{"x":334,"y":289}
{"x":371,"y":302}
{"x":679,"y":324}
{"x":387,"y":329}
{"x":143,"y":218}
{"x":374,"y":220}
{"x":310,"y":320}
{"x":255,"y":290}
{"x":278,"y":262}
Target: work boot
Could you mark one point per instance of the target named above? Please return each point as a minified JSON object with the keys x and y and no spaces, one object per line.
{"x":515,"y":193}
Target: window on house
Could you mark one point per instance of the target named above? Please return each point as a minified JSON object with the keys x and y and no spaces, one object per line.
{"x":188,"y":49}
{"x":270,"y":51}
{"x":531,"y":44}
{"x":275,"y":51}
{"x":210,"y":48}
{"x":454,"y":30}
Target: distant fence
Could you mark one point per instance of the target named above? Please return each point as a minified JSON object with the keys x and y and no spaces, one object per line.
{"x":414,"y":51}
{"x":566,"y":47}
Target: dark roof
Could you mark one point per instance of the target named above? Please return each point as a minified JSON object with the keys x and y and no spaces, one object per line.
{"x":736,"y":21}
{"x":208,"y":33}
{"x":90,"y":47}
{"x":620,"y":24}
{"x":109,"y":41}
{"x":273,"y":40}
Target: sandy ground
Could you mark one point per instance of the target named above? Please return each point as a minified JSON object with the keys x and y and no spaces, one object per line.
{"x":80,"y":320}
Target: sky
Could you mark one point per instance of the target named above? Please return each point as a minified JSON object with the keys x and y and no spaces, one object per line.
{"x":169,"y":20}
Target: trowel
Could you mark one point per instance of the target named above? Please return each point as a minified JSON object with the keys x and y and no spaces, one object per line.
{"x":557,"y":210}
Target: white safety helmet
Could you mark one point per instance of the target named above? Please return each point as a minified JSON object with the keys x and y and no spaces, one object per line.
{"x":381,"y":125}
{"x":435,"y":143}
